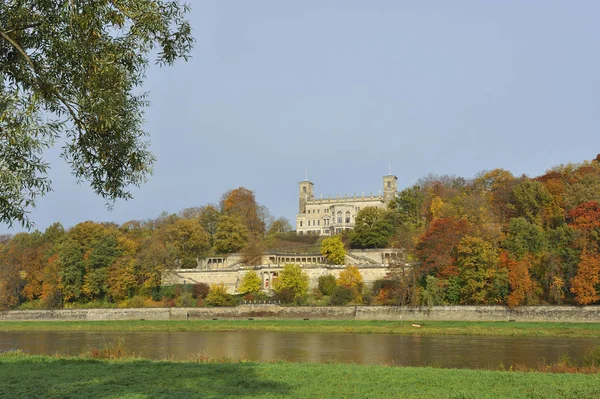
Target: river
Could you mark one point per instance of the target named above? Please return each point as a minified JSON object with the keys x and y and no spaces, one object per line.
{"x":442,"y":351}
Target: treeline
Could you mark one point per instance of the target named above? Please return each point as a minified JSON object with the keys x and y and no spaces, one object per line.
{"x":496,"y":239}
{"x":492,"y":239}
{"x":104,"y":262}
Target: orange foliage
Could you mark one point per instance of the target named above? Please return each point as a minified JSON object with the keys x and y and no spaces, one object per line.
{"x":584,"y":284}
{"x":521,"y":285}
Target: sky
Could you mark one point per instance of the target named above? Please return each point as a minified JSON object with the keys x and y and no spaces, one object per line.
{"x":339,"y":90}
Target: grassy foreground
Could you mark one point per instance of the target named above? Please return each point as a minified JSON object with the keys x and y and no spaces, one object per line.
{"x":496,"y":328}
{"x":54,"y":377}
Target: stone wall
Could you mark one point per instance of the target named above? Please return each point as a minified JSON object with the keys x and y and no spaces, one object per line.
{"x":271,"y":311}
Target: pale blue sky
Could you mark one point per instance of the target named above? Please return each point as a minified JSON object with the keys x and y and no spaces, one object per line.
{"x":343,"y":87}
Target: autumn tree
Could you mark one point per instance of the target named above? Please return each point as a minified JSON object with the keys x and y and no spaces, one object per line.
{"x":218,"y":295}
{"x":586,"y":283}
{"x":241,"y":203}
{"x":253,"y":251}
{"x":52,"y":56}
{"x":350,"y":277}
{"x":291,"y":283}
{"x":250,"y":283}
{"x":332,"y":248}
{"x":189,"y":240}
{"x":436,"y":248}
{"x":231,"y":235}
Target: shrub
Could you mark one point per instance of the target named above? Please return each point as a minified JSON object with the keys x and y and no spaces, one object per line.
{"x":326,"y":284}
{"x":186,"y":300}
{"x":218,"y":296}
{"x":341,"y":295}
{"x":200,"y":290}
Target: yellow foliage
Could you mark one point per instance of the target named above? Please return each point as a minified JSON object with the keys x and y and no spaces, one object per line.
{"x":350,"y":277}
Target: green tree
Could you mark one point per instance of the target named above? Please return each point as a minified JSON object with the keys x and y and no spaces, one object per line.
{"x":250,"y":283}
{"x":332,"y":248}
{"x":373,"y":228}
{"x":293,"y":280}
{"x":75,"y":67}
{"x":528,"y":199}
{"x":231,"y":235}
{"x":409,"y":205}
{"x":326,"y":284}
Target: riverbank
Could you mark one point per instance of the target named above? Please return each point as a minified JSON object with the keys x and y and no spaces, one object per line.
{"x":497,"y":328}
{"x":55,"y":377}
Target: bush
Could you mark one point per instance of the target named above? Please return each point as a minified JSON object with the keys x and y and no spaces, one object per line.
{"x":168,"y":292}
{"x":200,"y":290}
{"x":326,"y":284}
{"x":341,"y":295}
{"x":137,"y":301}
{"x":186,"y":300}
{"x":285,"y":295}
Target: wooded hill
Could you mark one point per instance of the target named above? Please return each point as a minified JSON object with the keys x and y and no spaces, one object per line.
{"x":492,"y":239}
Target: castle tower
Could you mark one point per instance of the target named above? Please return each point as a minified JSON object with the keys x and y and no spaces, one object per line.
{"x":305,"y":195}
{"x":390,"y":188}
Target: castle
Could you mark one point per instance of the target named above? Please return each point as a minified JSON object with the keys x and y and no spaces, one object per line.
{"x":329,"y":216}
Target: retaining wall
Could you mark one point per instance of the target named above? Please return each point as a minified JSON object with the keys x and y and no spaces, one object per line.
{"x":271,"y":311}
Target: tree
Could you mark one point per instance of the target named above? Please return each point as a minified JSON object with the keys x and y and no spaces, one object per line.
{"x":350,"y":277}
{"x":332,"y":248}
{"x":293,"y":280}
{"x":373,"y":228}
{"x":250,"y":283}
{"x":524,"y":237}
{"x":252,"y":253}
{"x":409,"y":205}
{"x":189,"y":239}
{"x":586,"y":283}
{"x":231,"y":235}
{"x":241,"y":203}
{"x":217,"y":295}
{"x":75,"y":68}
{"x":326,"y":284}
{"x":436,"y":248}
{"x":281,"y":225}
{"x":528,"y":199}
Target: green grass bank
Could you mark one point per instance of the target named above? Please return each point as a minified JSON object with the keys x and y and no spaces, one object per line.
{"x":53,"y":377}
{"x":481,"y":328}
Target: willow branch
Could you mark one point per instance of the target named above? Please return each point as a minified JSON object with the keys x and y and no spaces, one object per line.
{"x":29,"y":61}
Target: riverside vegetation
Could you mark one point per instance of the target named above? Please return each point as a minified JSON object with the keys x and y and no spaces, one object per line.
{"x":492,"y":239}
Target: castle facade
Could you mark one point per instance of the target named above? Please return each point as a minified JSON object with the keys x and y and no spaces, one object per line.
{"x":329,"y":216}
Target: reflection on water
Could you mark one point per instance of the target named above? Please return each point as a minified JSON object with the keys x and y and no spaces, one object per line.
{"x":444,"y":351}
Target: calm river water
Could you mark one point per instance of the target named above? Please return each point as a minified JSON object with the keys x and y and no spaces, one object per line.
{"x":444,"y":351}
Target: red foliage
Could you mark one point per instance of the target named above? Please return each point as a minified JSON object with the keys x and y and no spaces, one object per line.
{"x":436,"y":247}
{"x":586,"y":216}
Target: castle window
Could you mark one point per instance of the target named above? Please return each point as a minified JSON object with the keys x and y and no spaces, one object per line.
{"x":389,"y":184}
{"x":318,"y":222}
{"x":304,"y":190}
{"x":348,"y":217}
{"x":339,"y":217}
{"x":301,"y":223}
